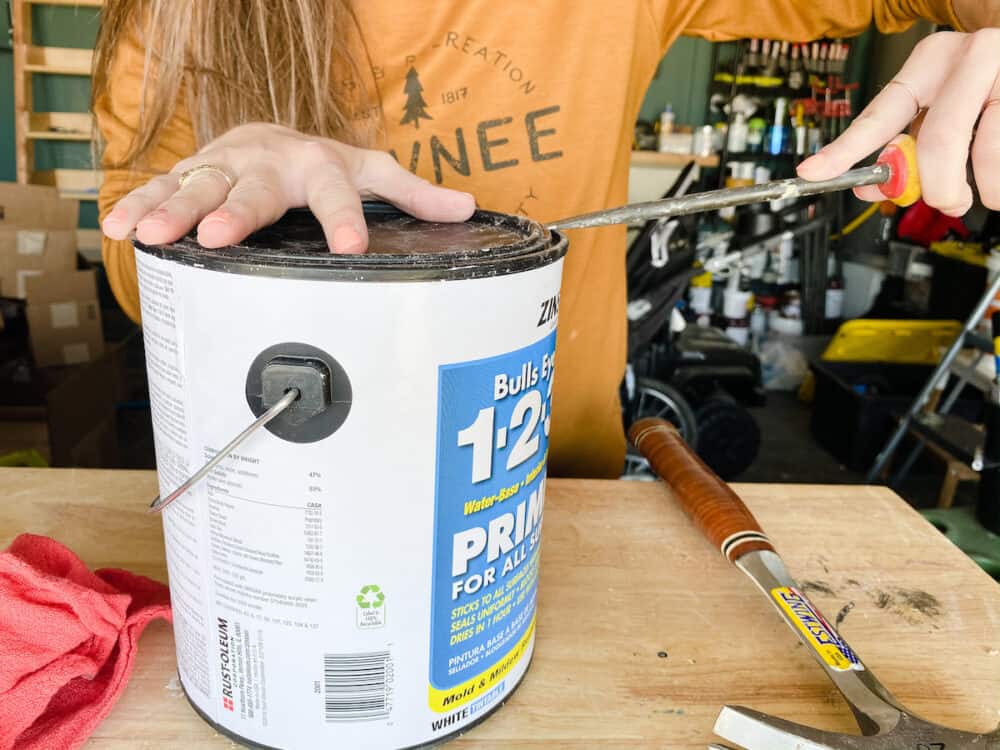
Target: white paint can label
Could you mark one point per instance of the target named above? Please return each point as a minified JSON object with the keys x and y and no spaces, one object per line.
{"x":375,"y":587}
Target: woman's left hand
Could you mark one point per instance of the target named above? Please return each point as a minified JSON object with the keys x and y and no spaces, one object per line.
{"x":955,"y":77}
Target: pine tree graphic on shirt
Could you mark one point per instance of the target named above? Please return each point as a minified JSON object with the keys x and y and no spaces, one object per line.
{"x":416,"y":107}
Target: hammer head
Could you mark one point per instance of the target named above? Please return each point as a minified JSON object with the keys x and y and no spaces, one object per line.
{"x":756,"y":731}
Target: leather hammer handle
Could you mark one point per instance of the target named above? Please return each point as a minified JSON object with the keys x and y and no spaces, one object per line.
{"x":716,"y":510}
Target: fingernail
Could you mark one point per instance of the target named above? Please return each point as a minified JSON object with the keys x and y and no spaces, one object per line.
{"x":217,"y":217}
{"x":465,"y":201}
{"x":116,"y":214}
{"x":154,"y":217}
{"x":813,"y":162}
{"x":346,"y":239}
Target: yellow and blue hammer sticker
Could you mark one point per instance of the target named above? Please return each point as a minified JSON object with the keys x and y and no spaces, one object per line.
{"x":826,"y":642}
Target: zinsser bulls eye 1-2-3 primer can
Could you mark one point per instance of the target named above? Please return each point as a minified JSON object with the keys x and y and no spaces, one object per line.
{"x":362,"y":571}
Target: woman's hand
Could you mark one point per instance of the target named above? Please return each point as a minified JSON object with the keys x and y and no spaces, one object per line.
{"x":956,"y":77}
{"x":272,"y":169}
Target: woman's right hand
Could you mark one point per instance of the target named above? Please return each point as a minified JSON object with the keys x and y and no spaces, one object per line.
{"x":273,"y":169}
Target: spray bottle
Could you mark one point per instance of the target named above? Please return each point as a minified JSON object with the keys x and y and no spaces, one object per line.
{"x":737,"y":301}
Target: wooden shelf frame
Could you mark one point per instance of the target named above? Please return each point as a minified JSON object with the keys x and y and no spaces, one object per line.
{"x":657,"y":159}
{"x":68,"y":61}
{"x":81,"y":184}
{"x":31,"y":126}
{"x":60,"y":126}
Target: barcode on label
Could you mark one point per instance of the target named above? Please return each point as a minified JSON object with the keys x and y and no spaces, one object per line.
{"x":357,"y":686}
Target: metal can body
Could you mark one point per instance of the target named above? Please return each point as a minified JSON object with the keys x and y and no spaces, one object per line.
{"x":374,"y":587}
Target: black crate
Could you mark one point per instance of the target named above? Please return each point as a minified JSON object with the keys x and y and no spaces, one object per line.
{"x":857,"y":405}
{"x":955,"y":287}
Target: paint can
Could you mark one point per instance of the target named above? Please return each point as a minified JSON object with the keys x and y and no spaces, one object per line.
{"x":362,"y":572}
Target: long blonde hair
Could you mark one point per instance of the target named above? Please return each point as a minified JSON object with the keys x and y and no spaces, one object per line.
{"x":290,"y":62}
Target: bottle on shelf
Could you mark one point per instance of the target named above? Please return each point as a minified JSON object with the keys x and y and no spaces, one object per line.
{"x":737,"y":302}
{"x":738,"y":132}
{"x":801,"y":132}
{"x":777,"y":139}
{"x":785,"y":266}
{"x":920,"y":274}
{"x":796,"y":69}
{"x":787,"y":320}
{"x":814,"y":134}
{"x":700,"y":290}
{"x":666,"y":126}
{"x":740,"y":175}
{"x":755,"y":134}
{"x":833,"y":304}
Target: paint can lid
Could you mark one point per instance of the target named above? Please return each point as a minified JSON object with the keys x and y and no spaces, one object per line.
{"x":401,"y":248}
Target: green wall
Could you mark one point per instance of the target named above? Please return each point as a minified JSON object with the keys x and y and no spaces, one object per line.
{"x":8,"y":169}
{"x":682,"y":79}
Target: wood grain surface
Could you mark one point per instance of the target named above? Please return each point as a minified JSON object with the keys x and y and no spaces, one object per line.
{"x":644,"y":631}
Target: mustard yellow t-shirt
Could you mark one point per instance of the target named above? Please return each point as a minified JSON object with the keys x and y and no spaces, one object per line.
{"x":530,"y":107}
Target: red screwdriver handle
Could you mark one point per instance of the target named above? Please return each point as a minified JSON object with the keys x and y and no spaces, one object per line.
{"x":716,"y":510}
{"x":903,"y":187}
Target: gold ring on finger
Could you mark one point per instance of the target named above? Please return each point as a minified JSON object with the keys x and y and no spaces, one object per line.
{"x":189,"y":174}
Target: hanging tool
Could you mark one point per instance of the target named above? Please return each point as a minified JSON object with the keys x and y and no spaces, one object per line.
{"x":895,"y":172}
{"x":721,"y":516}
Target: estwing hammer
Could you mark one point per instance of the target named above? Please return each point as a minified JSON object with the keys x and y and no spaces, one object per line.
{"x":726,"y":522}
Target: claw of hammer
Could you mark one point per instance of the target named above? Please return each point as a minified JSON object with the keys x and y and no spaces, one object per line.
{"x":756,"y":731}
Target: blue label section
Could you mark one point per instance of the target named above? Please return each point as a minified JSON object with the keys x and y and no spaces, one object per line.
{"x":493,"y":428}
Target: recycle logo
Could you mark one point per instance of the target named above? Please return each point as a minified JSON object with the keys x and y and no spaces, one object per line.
{"x":371,"y":596}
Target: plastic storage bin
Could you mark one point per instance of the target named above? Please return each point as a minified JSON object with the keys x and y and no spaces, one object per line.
{"x":856,"y":406}
{"x":913,"y":342}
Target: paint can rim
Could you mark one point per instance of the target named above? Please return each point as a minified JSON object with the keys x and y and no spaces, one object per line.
{"x":270,"y":253}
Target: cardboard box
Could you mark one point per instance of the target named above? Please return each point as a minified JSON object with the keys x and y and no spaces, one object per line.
{"x":31,"y":252}
{"x":64,"y":318}
{"x":37,"y":207}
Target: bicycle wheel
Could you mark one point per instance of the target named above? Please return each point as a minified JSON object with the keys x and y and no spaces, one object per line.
{"x":654,"y":398}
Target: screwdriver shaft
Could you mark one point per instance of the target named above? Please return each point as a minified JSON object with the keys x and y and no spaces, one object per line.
{"x":716,"y":199}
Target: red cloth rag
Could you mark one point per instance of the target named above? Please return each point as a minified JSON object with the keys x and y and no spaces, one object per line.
{"x":67,"y":642}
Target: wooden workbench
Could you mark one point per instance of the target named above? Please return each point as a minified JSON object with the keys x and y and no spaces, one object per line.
{"x":643,"y":631}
